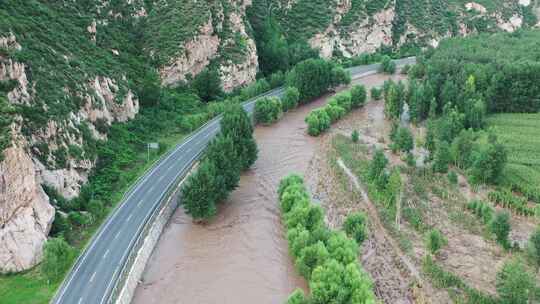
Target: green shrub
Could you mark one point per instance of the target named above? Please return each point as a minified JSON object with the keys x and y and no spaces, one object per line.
{"x":500,"y":226}
{"x":290,"y":98}
{"x":515,"y":285}
{"x":57,"y":258}
{"x":534,"y":245}
{"x":297,"y":297}
{"x":452,"y":178}
{"x":355,"y":136}
{"x":198,"y":193}
{"x":318,"y":121}
{"x":327,"y":259}
{"x":404,"y":139}
{"x":435,"y":240}
{"x":442,"y":157}
{"x":376,"y":93}
{"x":343,"y":100}
{"x":387,"y":65}
{"x":356,"y":226}
{"x":358,"y":96}
{"x":267,"y":110}
{"x":236,"y":124}
{"x":482,"y":210}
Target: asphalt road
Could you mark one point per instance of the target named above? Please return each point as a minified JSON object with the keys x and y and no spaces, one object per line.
{"x":97,"y":270}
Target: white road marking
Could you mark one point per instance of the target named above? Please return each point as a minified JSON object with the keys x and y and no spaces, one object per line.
{"x":117,"y":235}
{"x":139,"y":203}
{"x":151,"y":188}
{"x":106,"y":253}
{"x":161,"y":178}
{"x":129,"y":217}
{"x":92,"y":277}
{"x":80,"y":300}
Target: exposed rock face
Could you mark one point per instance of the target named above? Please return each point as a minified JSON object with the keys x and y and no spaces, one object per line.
{"x":25,"y":213}
{"x":365,"y":37}
{"x":369,"y":33}
{"x":196,"y":56}
{"x":199,"y":51}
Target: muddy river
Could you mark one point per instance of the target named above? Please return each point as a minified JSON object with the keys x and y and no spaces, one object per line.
{"x":241,"y":256}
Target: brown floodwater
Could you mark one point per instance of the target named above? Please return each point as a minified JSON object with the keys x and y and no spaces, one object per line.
{"x":241,"y":256}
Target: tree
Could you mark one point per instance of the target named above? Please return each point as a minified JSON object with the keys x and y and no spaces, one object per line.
{"x":355,"y":136}
{"x":393,"y":100}
{"x":313,"y":77}
{"x":515,"y":285}
{"x":462,"y":148}
{"x":290,"y":98}
{"x":377,"y":166}
{"x":267,"y":110}
{"x":387,"y":65}
{"x":435,"y":240}
{"x":237,"y":125}
{"x":442,"y":157}
{"x":311,"y":257}
{"x":57,"y":257}
{"x":297,"y":297}
{"x":199,"y":194}
{"x":376,"y":93}
{"x":488,"y":161}
{"x":404,"y":139}
{"x":358,"y":96}
{"x":534,"y":244}
{"x":221,"y":151}
{"x":500,"y":226}
{"x":356,"y":226}
{"x":207,"y":84}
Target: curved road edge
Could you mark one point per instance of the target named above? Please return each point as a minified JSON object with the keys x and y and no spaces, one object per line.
{"x":104,"y":260}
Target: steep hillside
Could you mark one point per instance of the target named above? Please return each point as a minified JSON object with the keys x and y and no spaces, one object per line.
{"x":70,"y":69}
{"x":351,"y":27}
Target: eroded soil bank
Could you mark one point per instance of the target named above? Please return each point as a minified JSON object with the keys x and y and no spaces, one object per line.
{"x":241,"y":256}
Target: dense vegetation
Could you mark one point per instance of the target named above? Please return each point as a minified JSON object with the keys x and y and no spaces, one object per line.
{"x":218,"y":174}
{"x":458,"y":85}
{"x":326,"y":258}
{"x":319,"y":120}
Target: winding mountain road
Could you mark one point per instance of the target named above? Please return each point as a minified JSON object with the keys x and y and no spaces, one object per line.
{"x":96,"y":272}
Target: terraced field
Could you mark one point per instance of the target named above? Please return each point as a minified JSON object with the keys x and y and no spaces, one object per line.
{"x":519,"y":133}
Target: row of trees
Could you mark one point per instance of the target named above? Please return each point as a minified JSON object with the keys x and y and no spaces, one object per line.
{"x":269,"y":109}
{"x":326,"y":258}
{"x":218,"y":174}
{"x":319,"y":120}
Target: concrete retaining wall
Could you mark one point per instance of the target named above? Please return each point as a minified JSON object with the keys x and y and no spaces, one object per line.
{"x":141,"y":256}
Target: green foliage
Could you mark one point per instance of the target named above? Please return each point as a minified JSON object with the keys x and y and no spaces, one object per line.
{"x":488,"y":161}
{"x":515,"y":285}
{"x":517,"y":132}
{"x":358,"y":96}
{"x":57,"y":258}
{"x":404,"y":140}
{"x":355,"y":136}
{"x":327,"y":259}
{"x":356,"y":226}
{"x":394,"y":98}
{"x":376,"y":93}
{"x":6,"y":117}
{"x":198,"y":194}
{"x":452,"y":178}
{"x":442,"y":158}
{"x":317,"y":121}
{"x":314,"y":77}
{"x":387,"y":65}
{"x":268,"y":110}
{"x":534,"y":244}
{"x":505,"y":198}
{"x":237,"y":125}
{"x":482,"y":210}
{"x":290,"y":98}
{"x":500,"y":226}
{"x":435,"y":240}
{"x":222,"y":152}
{"x":207,"y":85}
{"x":297,"y":297}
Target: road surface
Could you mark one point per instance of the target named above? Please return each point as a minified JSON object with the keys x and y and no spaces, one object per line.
{"x":97,"y":270}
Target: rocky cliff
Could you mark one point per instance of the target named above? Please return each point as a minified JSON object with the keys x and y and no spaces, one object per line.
{"x":356,"y":27}
{"x":62,"y":88}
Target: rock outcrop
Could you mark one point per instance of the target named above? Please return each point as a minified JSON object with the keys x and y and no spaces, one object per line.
{"x":25,"y":213}
{"x":207,"y":46}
